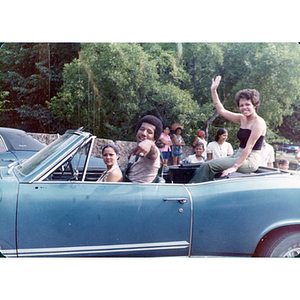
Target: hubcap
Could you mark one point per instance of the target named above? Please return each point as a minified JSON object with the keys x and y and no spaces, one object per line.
{"x":292,"y":253}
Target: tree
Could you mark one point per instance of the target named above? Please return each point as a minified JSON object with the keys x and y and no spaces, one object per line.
{"x":200,"y":61}
{"x":272,"y":69}
{"x":106,"y":87}
{"x":112,"y":85}
{"x":290,"y":127}
{"x":276,"y":76}
{"x":26,"y":78}
{"x":60,"y":54}
{"x":30,"y":76}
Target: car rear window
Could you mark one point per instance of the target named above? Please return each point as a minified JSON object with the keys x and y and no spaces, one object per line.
{"x":21,"y":142}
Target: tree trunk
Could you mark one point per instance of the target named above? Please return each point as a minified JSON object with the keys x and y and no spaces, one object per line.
{"x":208,"y":122}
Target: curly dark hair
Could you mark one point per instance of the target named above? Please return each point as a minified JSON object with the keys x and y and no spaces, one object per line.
{"x":153,"y":121}
{"x":249,"y":94}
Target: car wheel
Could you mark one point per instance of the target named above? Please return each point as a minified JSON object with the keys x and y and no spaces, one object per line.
{"x":284,"y":245}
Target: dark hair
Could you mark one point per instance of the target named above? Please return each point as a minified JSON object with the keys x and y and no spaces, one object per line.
{"x":165,"y":126}
{"x":283,"y":161}
{"x":153,"y":121}
{"x":249,"y":94}
{"x":220,"y":132}
{"x":177,"y":129}
{"x":199,"y":144}
{"x":113,"y":146}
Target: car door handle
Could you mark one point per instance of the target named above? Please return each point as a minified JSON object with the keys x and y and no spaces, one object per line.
{"x":181,"y":200}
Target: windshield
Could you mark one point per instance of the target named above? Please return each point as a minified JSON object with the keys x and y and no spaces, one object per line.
{"x":46,"y":155}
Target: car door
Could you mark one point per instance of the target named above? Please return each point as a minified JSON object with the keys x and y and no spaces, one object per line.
{"x":103,"y":219}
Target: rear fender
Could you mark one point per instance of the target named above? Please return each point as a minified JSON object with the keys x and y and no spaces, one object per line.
{"x":272,"y":233}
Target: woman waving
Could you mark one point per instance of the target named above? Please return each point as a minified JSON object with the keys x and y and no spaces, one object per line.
{"x":251,"y":135}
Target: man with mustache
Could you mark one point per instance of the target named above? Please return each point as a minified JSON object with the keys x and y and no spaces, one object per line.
{"x":144,"y":159}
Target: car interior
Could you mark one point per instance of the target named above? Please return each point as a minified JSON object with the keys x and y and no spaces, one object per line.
{"x":180,"y":174}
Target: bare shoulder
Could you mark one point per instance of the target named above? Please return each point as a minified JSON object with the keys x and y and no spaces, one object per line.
{"x":115,"y":175}
{"x":261,"y":124}
{"x":261,"y":121}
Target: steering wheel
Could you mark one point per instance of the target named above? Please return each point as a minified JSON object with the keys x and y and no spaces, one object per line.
{"x":65,"y":167}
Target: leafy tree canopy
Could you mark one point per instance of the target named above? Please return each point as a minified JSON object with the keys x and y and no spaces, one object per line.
{"x":107,"y":87}
{"x":112,"y":85}
{"x":30,"y":74}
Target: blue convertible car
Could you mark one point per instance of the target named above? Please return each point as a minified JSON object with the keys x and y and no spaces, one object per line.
{"x":51,"y":208}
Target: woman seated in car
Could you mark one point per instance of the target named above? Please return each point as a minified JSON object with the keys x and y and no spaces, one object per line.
{"x":251,"y":135}
{"x":111,"y":154}
{"x":219,"y":147}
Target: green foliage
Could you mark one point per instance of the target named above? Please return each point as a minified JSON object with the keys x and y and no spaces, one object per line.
{"x":201,"y":61}
{"x":27,"y":78}
{"x":107,"y":87}
{"x":120,"y":83}
{"x":272,"y":69}
{"x":290,"y":128}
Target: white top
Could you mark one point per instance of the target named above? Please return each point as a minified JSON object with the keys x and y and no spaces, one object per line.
{"x":192,"y":159}
{"x":267,"y":155}
{"x":297,"y":156}
{"x":218,"y":150}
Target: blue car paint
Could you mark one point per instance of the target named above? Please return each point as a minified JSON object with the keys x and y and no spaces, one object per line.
{"x":97,"y":219}
{"x":231,"y":216}
{"x":7,"y":158}
{"x":8,"y":209}
{"x":40,"y":217}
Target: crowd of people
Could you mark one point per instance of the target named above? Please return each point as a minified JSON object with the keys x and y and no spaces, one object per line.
{"x":155,"y":146}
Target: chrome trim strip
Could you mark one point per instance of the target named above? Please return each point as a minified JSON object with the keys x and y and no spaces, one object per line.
{"x":88,"y":158}
{"x":192,"y":217}
{"x":96,"y":249}
{"x":4,"y":144}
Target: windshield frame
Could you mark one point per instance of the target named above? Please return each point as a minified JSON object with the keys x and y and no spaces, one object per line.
{"x":44,"y":160}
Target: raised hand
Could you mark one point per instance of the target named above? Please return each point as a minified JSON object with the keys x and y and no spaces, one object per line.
{"x":215,"y":83}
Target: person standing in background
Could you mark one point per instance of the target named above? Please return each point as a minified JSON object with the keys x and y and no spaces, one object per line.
{"x":166,"y":150}
{"x":297,"y":156}
{"x":178,"y":143}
